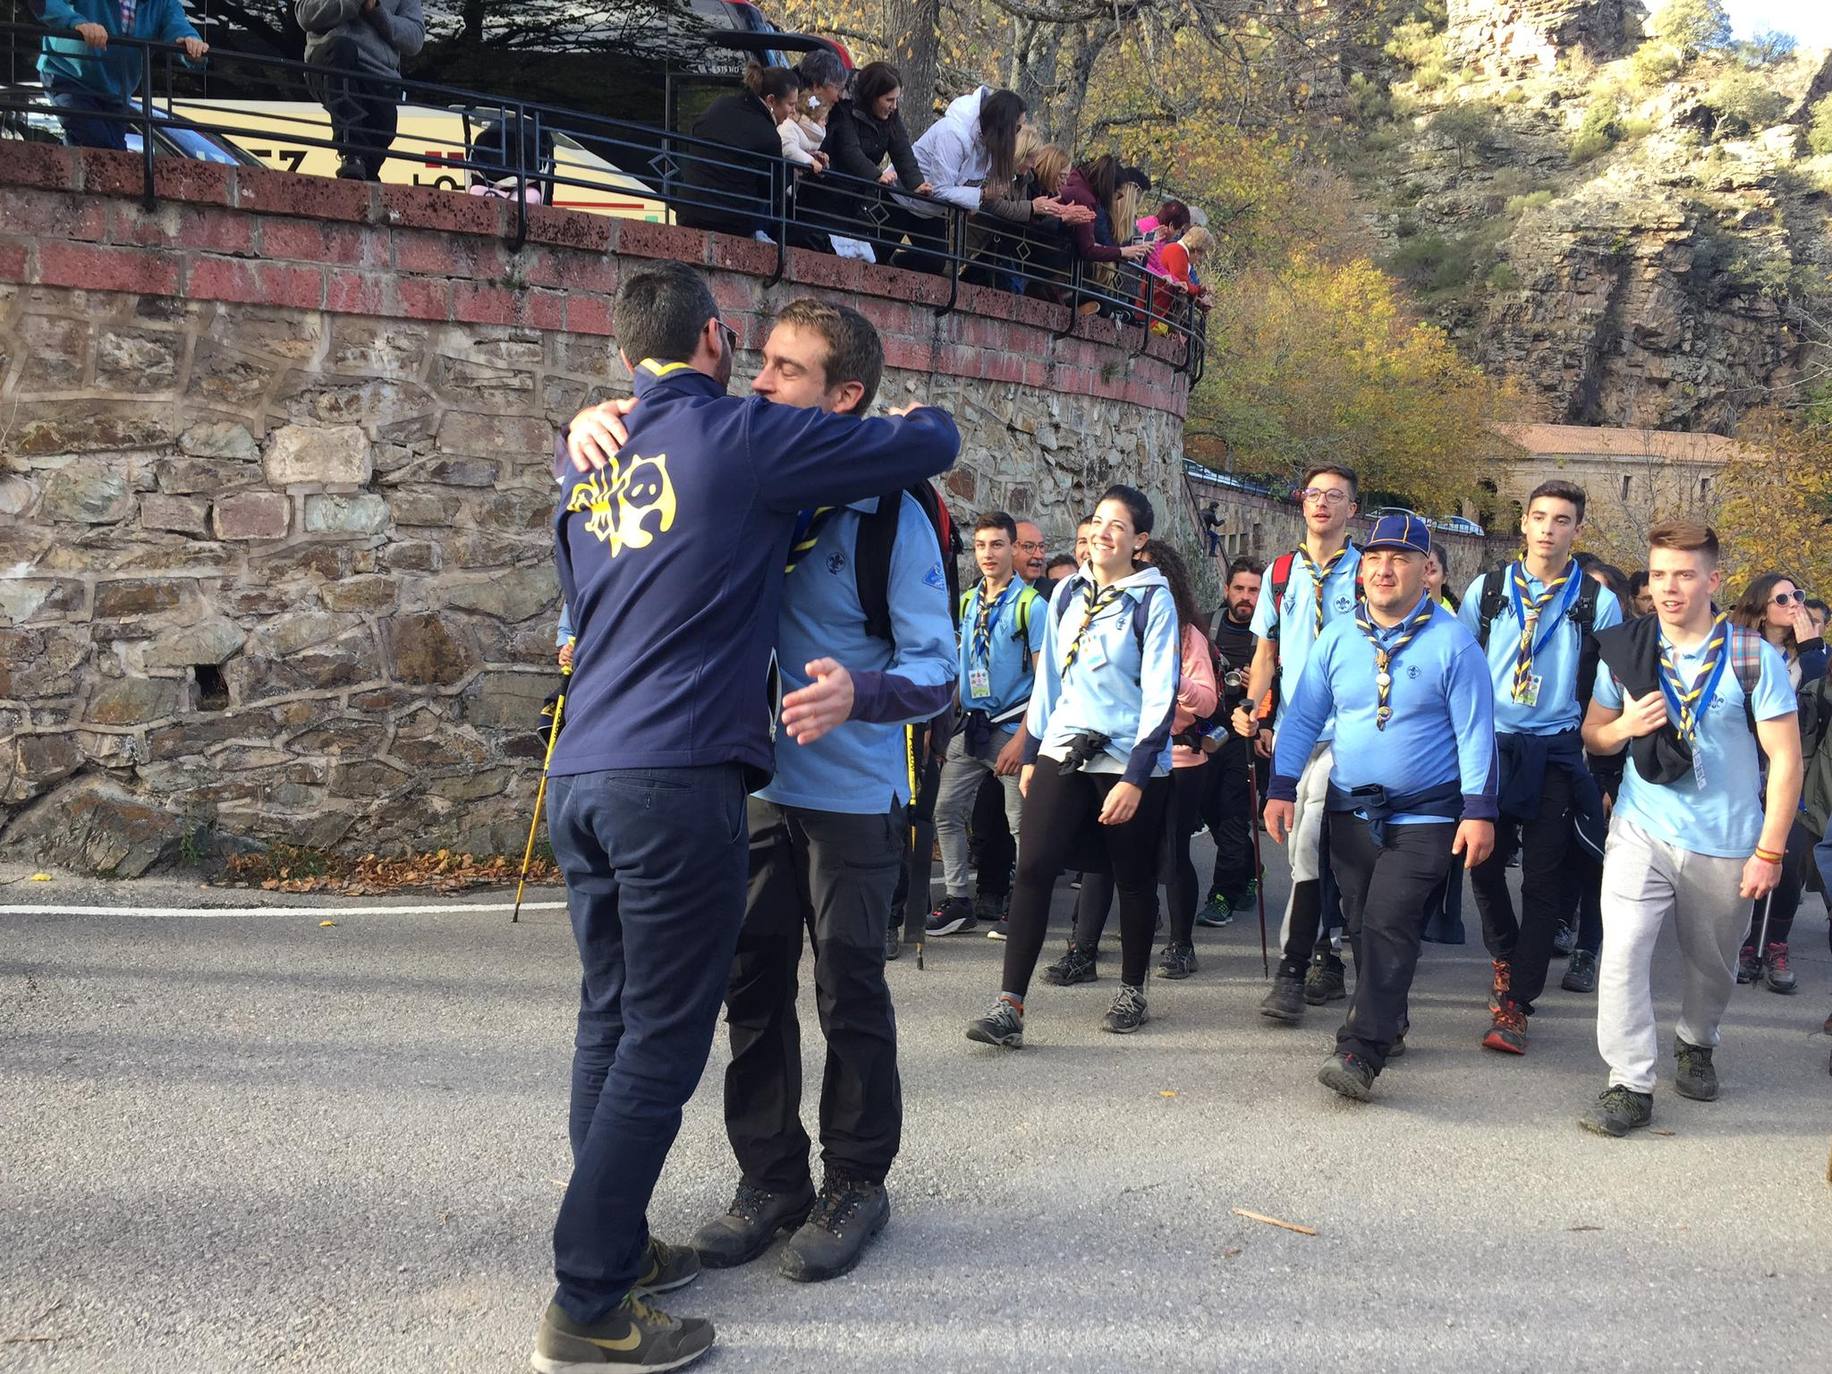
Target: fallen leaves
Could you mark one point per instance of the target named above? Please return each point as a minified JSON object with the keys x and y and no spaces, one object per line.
{"x":1261,"y":1217}
{"x":284,"y":869}
{"x":41,"y":877}
{"x":326,"y":925}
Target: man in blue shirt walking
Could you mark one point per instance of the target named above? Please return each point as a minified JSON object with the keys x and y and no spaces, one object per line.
{"x":1535,"y":620}
{"x":91,"y":84}
{"x":1412,"y":783}
{"x":826,"y":841}
{"x":670,"y":549}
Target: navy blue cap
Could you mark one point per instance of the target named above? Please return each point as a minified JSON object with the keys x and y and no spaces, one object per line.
{"x":1401,"y":530}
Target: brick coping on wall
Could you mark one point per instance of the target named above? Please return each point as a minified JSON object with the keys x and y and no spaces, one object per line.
{"x":73,"y":218}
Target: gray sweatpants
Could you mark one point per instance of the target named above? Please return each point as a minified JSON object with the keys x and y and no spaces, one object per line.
{"x":1645,"y":880}
{"x":961,"y":775}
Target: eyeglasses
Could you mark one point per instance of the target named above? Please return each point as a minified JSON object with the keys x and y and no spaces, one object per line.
{"x":1330,"y":496}
{"x":1034,"y":545}
{"x":731,"y":335}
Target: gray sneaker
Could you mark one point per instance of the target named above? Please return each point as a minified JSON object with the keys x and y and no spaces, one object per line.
{"x":638,"y":1335}
{"x":1127,"y":1013}
{"x":1694,"y":1077}
{"x":1003,"y":1025}
{"x":1286,"y":1000}
{"x":1618,"y":1111}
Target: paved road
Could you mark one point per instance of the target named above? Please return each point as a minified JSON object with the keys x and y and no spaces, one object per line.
{"x":246,"y":1143}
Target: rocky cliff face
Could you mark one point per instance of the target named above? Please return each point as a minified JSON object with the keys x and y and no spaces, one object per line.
{"x":1529,"y":35}
{"x":1669,"y":274}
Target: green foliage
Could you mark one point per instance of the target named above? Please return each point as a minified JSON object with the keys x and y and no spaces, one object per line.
{"x":1819,"y":133}
{"x":1417,"y":42}
{"x":1465,"y":127}
{"x":1433,"y":264}
{"x":1535,"y":200}
{"x":1513,"y":95}
{"x":1597,"y":134}
{"x":1655,"y":63}
{"x":1744,"y":102}
{"x":1767,"y":47}
{"x":1503,"y":277}
{"x":1693,"y":26}
{"x":1368,"y":103}
{"x":1635,"y":127}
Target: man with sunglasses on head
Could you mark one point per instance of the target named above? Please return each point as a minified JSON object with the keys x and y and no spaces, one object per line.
{"x":670,"y":540}
{"x":1307,"y":590}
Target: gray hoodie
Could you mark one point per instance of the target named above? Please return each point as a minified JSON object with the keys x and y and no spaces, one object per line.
{"x":382,"y":36}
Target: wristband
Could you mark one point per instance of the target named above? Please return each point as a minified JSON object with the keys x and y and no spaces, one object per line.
{"x":1767,"y":857}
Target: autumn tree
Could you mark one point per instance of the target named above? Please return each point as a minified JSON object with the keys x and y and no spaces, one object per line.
{"x":1777,"y":501}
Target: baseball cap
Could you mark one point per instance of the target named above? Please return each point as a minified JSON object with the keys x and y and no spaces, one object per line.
{"x":1399,"y":530}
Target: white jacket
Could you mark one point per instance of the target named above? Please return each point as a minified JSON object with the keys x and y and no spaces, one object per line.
{"x":952,"y":156}
{"x":801,"y":139}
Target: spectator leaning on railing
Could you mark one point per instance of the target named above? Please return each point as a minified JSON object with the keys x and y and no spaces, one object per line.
{"x":86,"y":80}
{"x":734,"y":188}
{"x":360,"y":43}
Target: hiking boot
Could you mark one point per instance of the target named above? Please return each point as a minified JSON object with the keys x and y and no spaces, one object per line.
{"x":1749,"y":966}
{"x":1694,"y":1077}
{"x":1564,"y":939}
{"x":1509,"y":1033}
{"x":893,"y":943}
{"x":990,"y":906}
{"x":846,"y":1215}
{"x":1003,"y":1025}
{"x":1775,"y":972}
{"x":1127,"y":1013}
{"x":1502,"y":985}
{"x":1349,"y":1075}
{"x":667,"y":1267}
{"x":750,"y":1225}
{"x":951,"y":917}
{"x":1218,"y":911}
{"x":1325,"y":981}
{"x":1397,"y":1050}
{"x":1581,"y":973}
{"x":1286,"y":1000}
{"x":1618,"y":1111}
{"x":1077,"y":966}
{"x":1177,"y":961}
{"x":638,"y":1335}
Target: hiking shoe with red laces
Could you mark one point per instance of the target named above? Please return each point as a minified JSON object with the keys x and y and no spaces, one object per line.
{"x":1775,"y":972}
{"x":1502,"y":985}
{"x":1509,"y":1033}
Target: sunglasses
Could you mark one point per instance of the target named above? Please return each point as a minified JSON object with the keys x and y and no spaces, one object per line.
{"x":1788,"y":598}
{"x":731,"y":335}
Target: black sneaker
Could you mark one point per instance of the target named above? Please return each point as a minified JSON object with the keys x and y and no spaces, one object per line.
{"x":1749,"y":964}
{"x":637,"y":1335}
{"x":951,"y":917}
{"x":1325,"y":982}
{"x":1618,"y":1111}
{"x":1075,"y":883}
{"x":750,"y":1225}
{"x":1177,"y":961}
{"x":1286,"y":1000}
{"x":846,"y":1215}
{"x":1694,"y":1077}
{"x":667,"y":1267}
{"x":1003,"y":1025}
{"x":1077,"y":966}
{"x":1001,"y":930}
{"x":1581,"y":972}
{"x":1127,"y":1013}
{"x":1564,"y":939}
{"x":1349,"y":1075}
{"x":893,"y":943}
{"x":1216,"y":912}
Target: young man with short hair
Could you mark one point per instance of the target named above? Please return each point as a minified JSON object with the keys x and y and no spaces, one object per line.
{"x":1002,"y":625}
{"x":1698,"y":703}
{"x":1535,"y":619}
{"x":1227,"y":807}
{"x":1412,"y":781}
{"x":1319,"y":589}
{"x":670,"y":543}
{"x":1084,"y":531}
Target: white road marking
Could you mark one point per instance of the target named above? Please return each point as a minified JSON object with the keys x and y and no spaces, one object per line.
{"x":447,"y":909}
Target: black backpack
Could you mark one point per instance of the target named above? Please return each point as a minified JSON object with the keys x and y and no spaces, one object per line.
{"x":871,"y":555}
{"x":1583,"y":614}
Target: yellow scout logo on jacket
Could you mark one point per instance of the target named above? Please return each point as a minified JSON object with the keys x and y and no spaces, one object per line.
{"x":622,"y":498}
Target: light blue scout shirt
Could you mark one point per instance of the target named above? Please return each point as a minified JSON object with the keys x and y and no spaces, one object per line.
{"x":1002,"y":682}
{"x":1117,"y":686}
{"x":1442,"y":728}
{"x":1557,"y":642}
{"x":1296,"y":618}
{"x":860,"y":768}
{"x":1724,"y":817}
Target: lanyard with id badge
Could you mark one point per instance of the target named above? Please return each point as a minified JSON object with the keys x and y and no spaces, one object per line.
{"x":979,"y":654}
{"x":1687,"y":707}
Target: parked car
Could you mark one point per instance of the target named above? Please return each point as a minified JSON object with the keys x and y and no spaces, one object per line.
{"x":173,"y":135}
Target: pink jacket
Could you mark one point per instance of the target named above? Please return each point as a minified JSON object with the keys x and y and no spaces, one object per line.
{"x":1196,"y":695}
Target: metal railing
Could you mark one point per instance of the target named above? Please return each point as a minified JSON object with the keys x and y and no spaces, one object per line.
{"x":513,"y":146}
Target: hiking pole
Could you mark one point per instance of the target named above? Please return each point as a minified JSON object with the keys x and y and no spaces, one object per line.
{"x":1768,"y":899}
{"x":1259,"y":872}
{"x":540,"y":795}
{"x":909,"y":759}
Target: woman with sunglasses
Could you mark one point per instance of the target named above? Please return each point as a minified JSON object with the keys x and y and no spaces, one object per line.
{"x":1098,"y":756}
{"x":1776,"y":608}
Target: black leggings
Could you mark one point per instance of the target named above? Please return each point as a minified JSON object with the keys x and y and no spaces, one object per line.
{"x":1056,"y":814}
{"x":1176,"y":871}
{"x":1784,"y":901}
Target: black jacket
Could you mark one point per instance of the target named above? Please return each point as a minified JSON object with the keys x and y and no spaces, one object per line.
{"x":856,"y":144}
{"x":732,"y":192}
{"x":1632,"y":652}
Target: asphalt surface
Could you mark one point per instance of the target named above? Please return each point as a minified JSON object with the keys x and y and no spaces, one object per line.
{"x":239,"y":1143}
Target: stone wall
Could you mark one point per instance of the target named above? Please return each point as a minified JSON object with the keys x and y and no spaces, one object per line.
{"x":275,"y":487}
